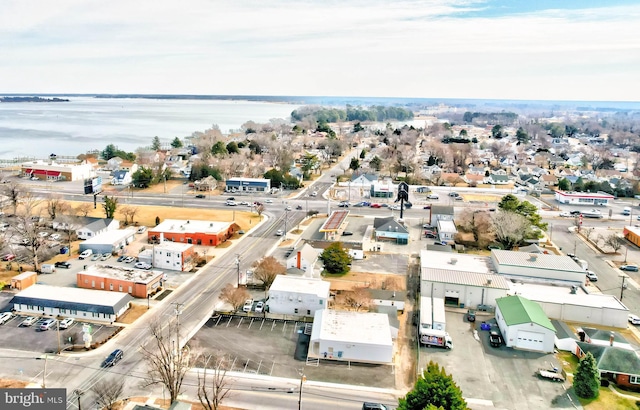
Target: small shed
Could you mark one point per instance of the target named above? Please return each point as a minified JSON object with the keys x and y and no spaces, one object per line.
{"x":24,"y":280}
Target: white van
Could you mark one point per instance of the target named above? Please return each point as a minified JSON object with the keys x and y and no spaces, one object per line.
{"x":47,"y":268}
{"x":85,"y":254}
{"x":626,"y":211}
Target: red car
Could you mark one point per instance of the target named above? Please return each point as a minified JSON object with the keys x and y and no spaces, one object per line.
{"x":375,"y":206}
{"x":8,"y":257}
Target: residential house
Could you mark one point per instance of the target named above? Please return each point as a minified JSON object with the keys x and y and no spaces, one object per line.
{"x":303,"y":258}
{"x":113,"y":164}
{"x":474,"y":170}
{"x":363,"y":180}
{"x":621,"y":366}
{"x":474,"y":179}
{"x":548,"y":180}
{"x":440,"y":212}
{"x":498,"y":179}
{"x":86,"y":227}
{"x":121,"y":177}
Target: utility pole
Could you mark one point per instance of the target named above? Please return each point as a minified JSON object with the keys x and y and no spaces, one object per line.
{"x":238,"y":267}
{"x":79,"y":393}
{"x":622,"y":287}
{"x":58,"y":331}
{"x":178,"y":312}
{"x":303,"y":378}
{"x":44,"y":373}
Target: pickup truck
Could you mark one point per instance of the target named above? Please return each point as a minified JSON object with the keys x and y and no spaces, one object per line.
{"x":495,"y":339}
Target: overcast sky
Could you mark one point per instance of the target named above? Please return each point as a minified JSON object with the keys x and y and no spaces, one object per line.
{"x":503,"y":49}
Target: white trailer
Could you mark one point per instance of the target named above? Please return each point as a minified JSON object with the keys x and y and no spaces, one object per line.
{"x":432,"y":313}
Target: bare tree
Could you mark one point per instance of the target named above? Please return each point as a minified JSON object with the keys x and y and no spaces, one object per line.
{"x":614,"y":241}
{"x":108,"y":392}
{"x":266,"y":270}
{"x":234,"y":296}
{"x":84,"y":208}
{"x":587,"y":232}
{"x":510,"y":228}
{"x":56,"y":206}
{"x":213,"y":386}
{"x":13,"y":192}
{"x":129,"y":212}
{"x":358,"y":298}
{"x":477,"y":222}
{"x":167,"y":362}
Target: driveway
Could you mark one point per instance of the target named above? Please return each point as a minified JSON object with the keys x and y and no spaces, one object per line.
{"x":490,"y":377}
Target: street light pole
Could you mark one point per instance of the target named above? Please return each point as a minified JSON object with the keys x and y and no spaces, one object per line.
{"x":302,"y":380}
{"x":79,"y":393}
{"x":622,"y":287}
{"x":238,"y":267}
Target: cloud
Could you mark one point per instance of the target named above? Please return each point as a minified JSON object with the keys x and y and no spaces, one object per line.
{"x":418,"y":48}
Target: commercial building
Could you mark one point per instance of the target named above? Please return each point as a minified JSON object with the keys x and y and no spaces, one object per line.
{"x":294,"y":295}
{"x":248,"y":185}
{"x":583,"y":198}
{"x":136,"y":282}
{"x":461,"y":279}
{"x":173,"y":256}
{"x":524,"y":325}
{"x":53,"y":171}
{"x":572,"y":304}
{"x":388,"y":229}
{"x":208,"y":233}
{"x":109,"y":241}
{"x":335,"y":224}
{"x":85,"y":304}
{"x":537,"y":267}
{"x":351,"y":337}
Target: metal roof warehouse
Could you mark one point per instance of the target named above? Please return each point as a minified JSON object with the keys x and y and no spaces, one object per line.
{"x":97,"y":305}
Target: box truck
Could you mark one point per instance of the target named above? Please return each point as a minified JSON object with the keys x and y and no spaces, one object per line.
{"x":434,"y":337}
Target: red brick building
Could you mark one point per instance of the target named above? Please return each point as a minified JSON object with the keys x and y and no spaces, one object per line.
{"x":207,"y":233}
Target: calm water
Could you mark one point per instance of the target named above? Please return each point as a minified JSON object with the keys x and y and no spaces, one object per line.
{"x":84,"y":123}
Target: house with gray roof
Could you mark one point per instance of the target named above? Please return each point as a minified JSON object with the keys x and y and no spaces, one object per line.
{"x":497,"y":179}
{"x":388,"y":229}
{"x":537,"y":267}
{"x":82,"y":304}
{"x":363,"y":180}
{"x":620,"y":366}
{"x":85,"y":227}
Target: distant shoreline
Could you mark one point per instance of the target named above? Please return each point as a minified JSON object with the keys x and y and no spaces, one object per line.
{"x":35,"y":99}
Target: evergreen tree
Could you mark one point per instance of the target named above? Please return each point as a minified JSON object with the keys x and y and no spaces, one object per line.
{"x":155,"y":144}
{"x":564,"y":184}
{"x":434,"y":389}
{"x":335,"y":258}
{"x":355,"y":164}
{"x":176,"y":143}
{"x":587,"y":378}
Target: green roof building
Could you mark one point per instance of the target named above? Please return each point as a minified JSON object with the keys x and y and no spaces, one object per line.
{"x":524,"y":325}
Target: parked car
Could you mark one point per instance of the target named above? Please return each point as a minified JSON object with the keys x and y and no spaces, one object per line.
{"x":565,"y":214}
{"x":347,"y":233}
{"x":269,"y":201}
{"x":28,"y":321}
{"x":105,"y":256}
{"x":113,"y":358}
{"x":471,"y":315}
{"x":96,"y":256}
{"x":343,"y":205}
{"x":5,"y":317}
{"x":495,"y":338}
{"x":142,"y":229}
{"x":629,"y":268}
{"x":259,"y":307}
{"x":66,"y":323}
{"x":85,"y":254}
{"x":62,"y":264}
{"x":142,"y":265}
{"x":47,"y":324}
{"x":241,"y":232}
{"x":43,"y":234}
{"x":433,"y":196}
{"x":375,"y":206}
{"x":8,"y":257}
{"x":314,"y":193}
{"x":248,"y":305}
{"x":55,"y":237}
{"x":129,"y":259}
{"x":454,"y":194}
{"x":287,"y":208}
{"x":591,"y":275}
{"x":633,"y":319}
{"x":121,"y":258}
{"x":373,"y":406}
{"x":279,"y":232}
{"x":458,"y":198}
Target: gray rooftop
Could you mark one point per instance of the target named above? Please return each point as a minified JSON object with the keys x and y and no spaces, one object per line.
{"x":539,"y":261}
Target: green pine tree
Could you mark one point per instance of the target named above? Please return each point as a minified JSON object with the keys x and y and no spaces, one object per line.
{"x":587,"y":378}
{"x":435,"y":389}
{"x":335,"y":259}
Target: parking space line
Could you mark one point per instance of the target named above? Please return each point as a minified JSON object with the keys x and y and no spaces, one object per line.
{"x":273,"y":325}
{"x":229,"y":322}
{"x":239,"y":322}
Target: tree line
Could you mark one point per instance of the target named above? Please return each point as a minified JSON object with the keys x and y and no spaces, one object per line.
{"x":375,"y":113}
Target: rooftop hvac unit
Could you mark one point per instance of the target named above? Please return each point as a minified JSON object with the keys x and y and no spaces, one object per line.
{"x":488,"y":281}
{"x":533,"y":257}
{"x":453,"y":261}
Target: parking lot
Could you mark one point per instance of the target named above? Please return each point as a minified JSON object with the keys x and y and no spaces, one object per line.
{"x":265,"y":346}
{"x":14,"y":336}
{"x":500,"y":377}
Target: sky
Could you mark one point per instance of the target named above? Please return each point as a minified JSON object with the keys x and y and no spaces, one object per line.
{"x":488,"y":49}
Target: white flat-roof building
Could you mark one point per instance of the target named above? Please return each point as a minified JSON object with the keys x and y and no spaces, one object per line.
{"x":461,"y":279}
{"x":85,"y":304}
{"x":109,"y":241}
{"x":54,"y":171}
{"x":583,"y":198}
{"x":558,"y":302}
{"x":535,"y":266}
{"x":295,"y":295}
{"x":172,"y":256}
{"x":351,"y":337}
{"x":446,"y":229}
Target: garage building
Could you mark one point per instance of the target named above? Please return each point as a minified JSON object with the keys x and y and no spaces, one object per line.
{"x":524,"y":324}
{"x":351,"y":337}
{"x":109,"y":241}
{"x":96,"y":305}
